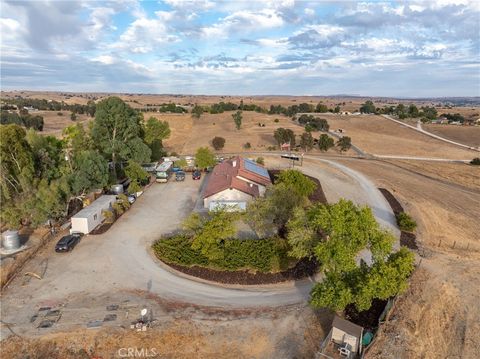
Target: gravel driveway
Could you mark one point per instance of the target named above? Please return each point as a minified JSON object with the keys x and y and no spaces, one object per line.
{"x":120,"y":258}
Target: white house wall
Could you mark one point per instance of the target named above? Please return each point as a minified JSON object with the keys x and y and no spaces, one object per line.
{"x":227,"y":195}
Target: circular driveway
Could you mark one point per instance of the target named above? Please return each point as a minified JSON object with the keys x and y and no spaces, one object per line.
{"x":120,"y":258}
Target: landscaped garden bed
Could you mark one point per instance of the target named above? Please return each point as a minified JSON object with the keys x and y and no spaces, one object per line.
{"x":407,"y":238}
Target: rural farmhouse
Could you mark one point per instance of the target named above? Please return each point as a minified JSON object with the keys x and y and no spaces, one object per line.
{"x":235,"y":182}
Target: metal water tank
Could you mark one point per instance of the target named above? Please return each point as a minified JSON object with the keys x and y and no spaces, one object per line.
{"x":117,"y":188}
{"x":11,"y":240}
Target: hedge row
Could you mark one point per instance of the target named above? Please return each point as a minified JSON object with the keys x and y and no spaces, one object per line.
{"x":264,"y":255}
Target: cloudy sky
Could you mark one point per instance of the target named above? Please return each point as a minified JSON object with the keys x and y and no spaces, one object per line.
{"x":396,"y":48}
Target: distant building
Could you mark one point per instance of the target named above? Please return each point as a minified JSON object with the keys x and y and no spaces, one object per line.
{"x":235,"y":182}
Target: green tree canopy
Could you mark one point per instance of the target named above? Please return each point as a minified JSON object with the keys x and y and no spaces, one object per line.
{"x":156,"y":130}
{"x":211,"y":231}
{"x":16,"y":160}
{"x":325,"y":142}
{"x":218,"y":142}
{"x":298,"y":181}
{"x":136,"y":174}
{"x":90,"y":172}
{"x":344,"y":143}
{"x":306,"y":141}
{"x":283,"y":135}
{"x":205,"y":158}
{"x":368,"y":107}
{"x":117,"y":131}
{"x":237,"y":118}
{"x":197,"y":111}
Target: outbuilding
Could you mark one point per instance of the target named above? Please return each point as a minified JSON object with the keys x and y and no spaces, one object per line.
{"x":344,"y":339}
{"x":90,"y":217}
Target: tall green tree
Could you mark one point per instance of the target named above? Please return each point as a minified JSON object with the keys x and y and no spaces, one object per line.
{"x":325,"y":142}
{"x":197,"y":111}
{"x":237,"y":118}
{"x":204,"y":158}
{"x":16,"y":161}
{"x":117,"y":131}
{"x":283,"y":135}
{"x":306,"y":141}
{"x":155,"y":132}
{"x":344,"y":143}
{"x":368,"y":107}
{"x":17,"y":175}
{"x":90,"y":171}
{"x":136,"y":174}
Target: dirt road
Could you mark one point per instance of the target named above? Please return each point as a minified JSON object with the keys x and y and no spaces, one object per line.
{"x":420,"y":129}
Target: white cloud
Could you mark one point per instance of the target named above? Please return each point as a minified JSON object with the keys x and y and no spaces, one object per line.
{"x":143,"y":34}
{"x":244,"y":21}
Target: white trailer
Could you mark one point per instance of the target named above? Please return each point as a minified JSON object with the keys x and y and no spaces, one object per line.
{"x":90,"y":217}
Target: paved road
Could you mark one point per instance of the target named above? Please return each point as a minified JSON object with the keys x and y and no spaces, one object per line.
{"x":119,"y":259}
{"x":421,"y":130}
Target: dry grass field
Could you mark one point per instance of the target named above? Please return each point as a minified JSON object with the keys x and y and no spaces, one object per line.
{"x":469,"y":135}
{"x":377,"y":135}
{"x":54,"y":124}
{"x":439,"y":316}
{"x":188,"y":133}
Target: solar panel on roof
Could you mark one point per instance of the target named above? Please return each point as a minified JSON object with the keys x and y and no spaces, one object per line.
{"x":253,"y":167}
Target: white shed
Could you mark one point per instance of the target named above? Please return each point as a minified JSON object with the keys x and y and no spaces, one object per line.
{"x":90,"y":217}
{"x":347,"y":334}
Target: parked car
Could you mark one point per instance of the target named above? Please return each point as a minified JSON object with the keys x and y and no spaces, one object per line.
{"x":131,"y":198}
{"x":176,"y":169}
{"x":67,"y":243}
{"x":196,"y":175}
{"x":180,"y":176}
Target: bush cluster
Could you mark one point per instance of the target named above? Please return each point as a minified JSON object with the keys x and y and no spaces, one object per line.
{"x":405,"y":222}
{"x":264,"y":255}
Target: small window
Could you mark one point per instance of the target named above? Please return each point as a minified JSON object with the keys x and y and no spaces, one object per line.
{"x":94,"y":217}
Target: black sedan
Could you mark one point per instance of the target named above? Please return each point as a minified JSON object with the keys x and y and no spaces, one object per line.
{"x":67,"y":243}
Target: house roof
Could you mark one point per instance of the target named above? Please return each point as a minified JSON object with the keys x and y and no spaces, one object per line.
{"x":347,"y":327}
{"x":252,"y":171}
{"x":226,"y":176}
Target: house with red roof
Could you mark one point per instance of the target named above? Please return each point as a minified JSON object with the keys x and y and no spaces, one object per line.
{"x":235,"y":182}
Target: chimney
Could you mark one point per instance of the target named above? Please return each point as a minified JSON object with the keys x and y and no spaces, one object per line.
{"x":234,"y":163}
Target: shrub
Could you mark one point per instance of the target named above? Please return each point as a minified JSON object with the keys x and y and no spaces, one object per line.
{"x":405,"y":222}
{"x":475,"y":161}
{"x":123,"y":201}
{"x":59,"y":113}
{"x":109,"y":216}
{"x":261,"y":161}
{"x":118,"y":208}
{"x":218,"y":142}
{"x":264,"y":255}
{"x":276,"y":120}
{"x":247,"y":145}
